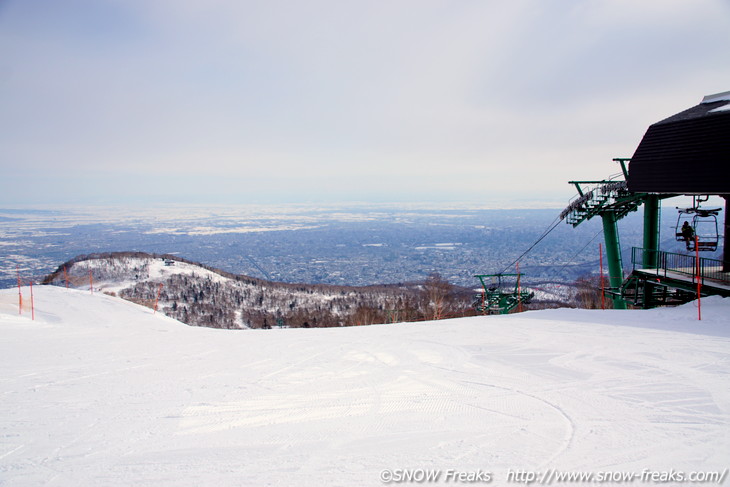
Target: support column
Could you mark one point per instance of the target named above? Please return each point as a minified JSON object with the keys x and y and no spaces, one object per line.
{"x":613,"y":255}
{"x":651,"y":231}
{"x":725,"y":250}
{"x":650,"y":257}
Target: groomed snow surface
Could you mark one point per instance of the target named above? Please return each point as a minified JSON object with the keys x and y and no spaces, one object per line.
{"x":100,"y":392}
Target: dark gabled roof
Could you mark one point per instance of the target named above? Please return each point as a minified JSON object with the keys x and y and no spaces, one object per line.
{"x":687,"y":153}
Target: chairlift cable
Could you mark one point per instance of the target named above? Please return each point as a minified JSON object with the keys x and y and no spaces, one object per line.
{"x":552,"y":227}
{"x":581,"y":250}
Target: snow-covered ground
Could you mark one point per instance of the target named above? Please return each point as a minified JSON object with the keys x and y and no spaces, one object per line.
{"x":98,"y":391}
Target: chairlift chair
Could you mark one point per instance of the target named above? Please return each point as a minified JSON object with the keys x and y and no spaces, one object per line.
{"x":498,"y":297}
{"x":704,"y":228}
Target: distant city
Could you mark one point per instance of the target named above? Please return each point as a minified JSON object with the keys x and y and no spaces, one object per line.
{"x":350,"y":244}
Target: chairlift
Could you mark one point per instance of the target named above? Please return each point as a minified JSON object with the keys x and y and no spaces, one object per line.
{"x":498,"y":296}
{"x":703,"y":222}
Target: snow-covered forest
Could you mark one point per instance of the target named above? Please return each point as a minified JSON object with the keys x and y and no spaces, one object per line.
{"x":203,"y":296}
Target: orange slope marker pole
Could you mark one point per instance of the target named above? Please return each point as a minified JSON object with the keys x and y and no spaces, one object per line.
{"x":603,"y":286}
{"x":157,"y":299}
{"x":699,"y":282}
{"x":91,"y":282}
{"x":32,"y":303}
{"x":20,"y":293}
{"x":519,"y":299}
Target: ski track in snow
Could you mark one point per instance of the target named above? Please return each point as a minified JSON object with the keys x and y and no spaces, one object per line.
{"x":98,"y":391}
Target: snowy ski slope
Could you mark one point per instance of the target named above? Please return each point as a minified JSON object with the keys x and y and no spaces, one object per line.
{"x":100,"y":392}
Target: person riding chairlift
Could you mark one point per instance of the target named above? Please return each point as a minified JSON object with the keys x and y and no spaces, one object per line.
{"x":688,"y":233}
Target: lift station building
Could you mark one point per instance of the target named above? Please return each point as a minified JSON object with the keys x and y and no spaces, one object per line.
{"x":685,"y":154}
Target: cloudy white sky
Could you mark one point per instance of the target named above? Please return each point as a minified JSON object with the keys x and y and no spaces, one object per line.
{"x":239,"y":101}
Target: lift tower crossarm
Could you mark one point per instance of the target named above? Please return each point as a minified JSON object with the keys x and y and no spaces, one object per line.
{"x":599,"y":197}
{"x":623,"y":161}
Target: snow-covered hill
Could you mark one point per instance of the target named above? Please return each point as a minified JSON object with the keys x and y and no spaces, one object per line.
{"x":100,"y":391}
{"x":202,"y":296}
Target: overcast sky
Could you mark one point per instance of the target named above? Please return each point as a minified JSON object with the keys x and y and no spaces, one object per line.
{"x":225,"y":101}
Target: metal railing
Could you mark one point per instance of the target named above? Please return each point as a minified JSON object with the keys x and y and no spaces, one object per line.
{"x":685,"y":264}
